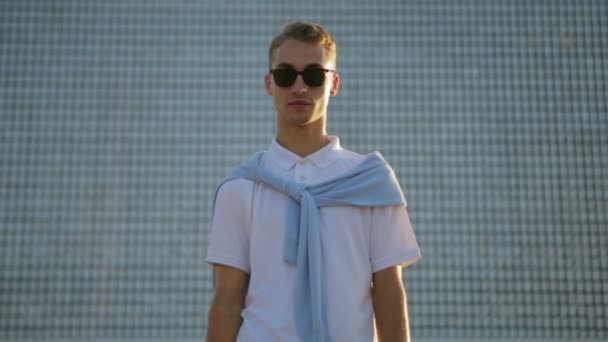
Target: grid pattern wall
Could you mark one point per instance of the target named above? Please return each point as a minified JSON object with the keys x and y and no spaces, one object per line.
{"x":119,"y":118}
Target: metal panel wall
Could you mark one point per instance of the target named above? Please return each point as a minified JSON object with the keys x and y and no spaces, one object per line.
{"x":119,"y":118}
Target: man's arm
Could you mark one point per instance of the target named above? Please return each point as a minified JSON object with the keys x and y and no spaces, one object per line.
{"x":390,"y":305}
{"x":225,"y":312}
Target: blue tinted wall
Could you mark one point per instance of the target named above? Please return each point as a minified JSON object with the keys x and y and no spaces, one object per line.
{"x":119,"y":118}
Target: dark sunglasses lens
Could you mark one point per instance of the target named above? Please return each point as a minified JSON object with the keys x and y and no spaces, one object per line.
{"x":313,"y":77}
{"x":284,"y":77}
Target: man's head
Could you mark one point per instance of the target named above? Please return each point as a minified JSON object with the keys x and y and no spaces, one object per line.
{"x":305,"y":32}
{"x":302,"y":74}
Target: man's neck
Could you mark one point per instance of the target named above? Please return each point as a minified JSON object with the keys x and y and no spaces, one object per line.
{"x":302,"y":141}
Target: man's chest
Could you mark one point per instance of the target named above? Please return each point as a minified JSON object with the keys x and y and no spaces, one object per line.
{"x":344,"y":230}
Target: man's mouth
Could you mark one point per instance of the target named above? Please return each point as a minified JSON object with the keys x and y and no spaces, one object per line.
{"x":299,"y":103}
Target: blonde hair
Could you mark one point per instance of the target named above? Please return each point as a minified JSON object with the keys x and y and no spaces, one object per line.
{"x":306,"y":32}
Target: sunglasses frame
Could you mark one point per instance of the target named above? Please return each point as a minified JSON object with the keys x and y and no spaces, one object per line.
{"x":302,"y":73}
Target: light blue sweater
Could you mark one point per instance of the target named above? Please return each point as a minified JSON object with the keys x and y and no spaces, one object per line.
{"x":370,"y":184}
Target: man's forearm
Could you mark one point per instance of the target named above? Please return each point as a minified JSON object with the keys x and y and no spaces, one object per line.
{"x":224,"y":322}
{"x":392,"y":319}
{"x":390,"y":306}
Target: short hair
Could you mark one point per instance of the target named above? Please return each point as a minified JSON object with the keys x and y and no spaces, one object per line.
{"x":306,"y":32}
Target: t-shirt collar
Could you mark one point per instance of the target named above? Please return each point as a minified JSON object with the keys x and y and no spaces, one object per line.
{"x":321,"y":158}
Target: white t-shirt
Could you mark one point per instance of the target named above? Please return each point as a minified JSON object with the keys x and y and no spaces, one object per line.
{"x":247,"y":232}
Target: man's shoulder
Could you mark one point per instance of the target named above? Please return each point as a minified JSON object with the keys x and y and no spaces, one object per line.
{"x":235,"y":187}
{"x":351,"y":155}
{"x":351,"y":159}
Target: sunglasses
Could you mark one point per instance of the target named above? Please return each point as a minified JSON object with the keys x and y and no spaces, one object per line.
{"x":286,"y":77}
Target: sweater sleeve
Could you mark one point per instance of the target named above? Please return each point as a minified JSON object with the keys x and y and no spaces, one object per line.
{"x":392,"y":238}
{"x":230,"y":227}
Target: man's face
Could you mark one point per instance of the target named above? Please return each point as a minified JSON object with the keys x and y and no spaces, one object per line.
{"x":301,"y":104}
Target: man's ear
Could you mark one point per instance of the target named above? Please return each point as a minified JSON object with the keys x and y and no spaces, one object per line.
{"x":335,"y":85}
{"x":267,"y":84}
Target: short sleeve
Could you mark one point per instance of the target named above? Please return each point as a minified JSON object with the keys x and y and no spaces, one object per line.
{"x":230,"y":226}
{"x":392,"y":240}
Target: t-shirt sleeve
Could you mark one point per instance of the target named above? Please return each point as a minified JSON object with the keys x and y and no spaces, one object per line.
{"x":230,"y":226}
{"x":392,"y":238}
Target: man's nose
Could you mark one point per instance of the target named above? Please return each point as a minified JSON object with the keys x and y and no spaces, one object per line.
{"x":299,"y":86}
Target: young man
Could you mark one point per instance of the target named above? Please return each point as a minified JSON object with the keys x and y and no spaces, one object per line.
{"x":308,"y":239}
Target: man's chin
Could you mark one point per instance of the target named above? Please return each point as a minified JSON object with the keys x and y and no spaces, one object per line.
{"x":300,"y":123}
{"x":300,"y":118}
